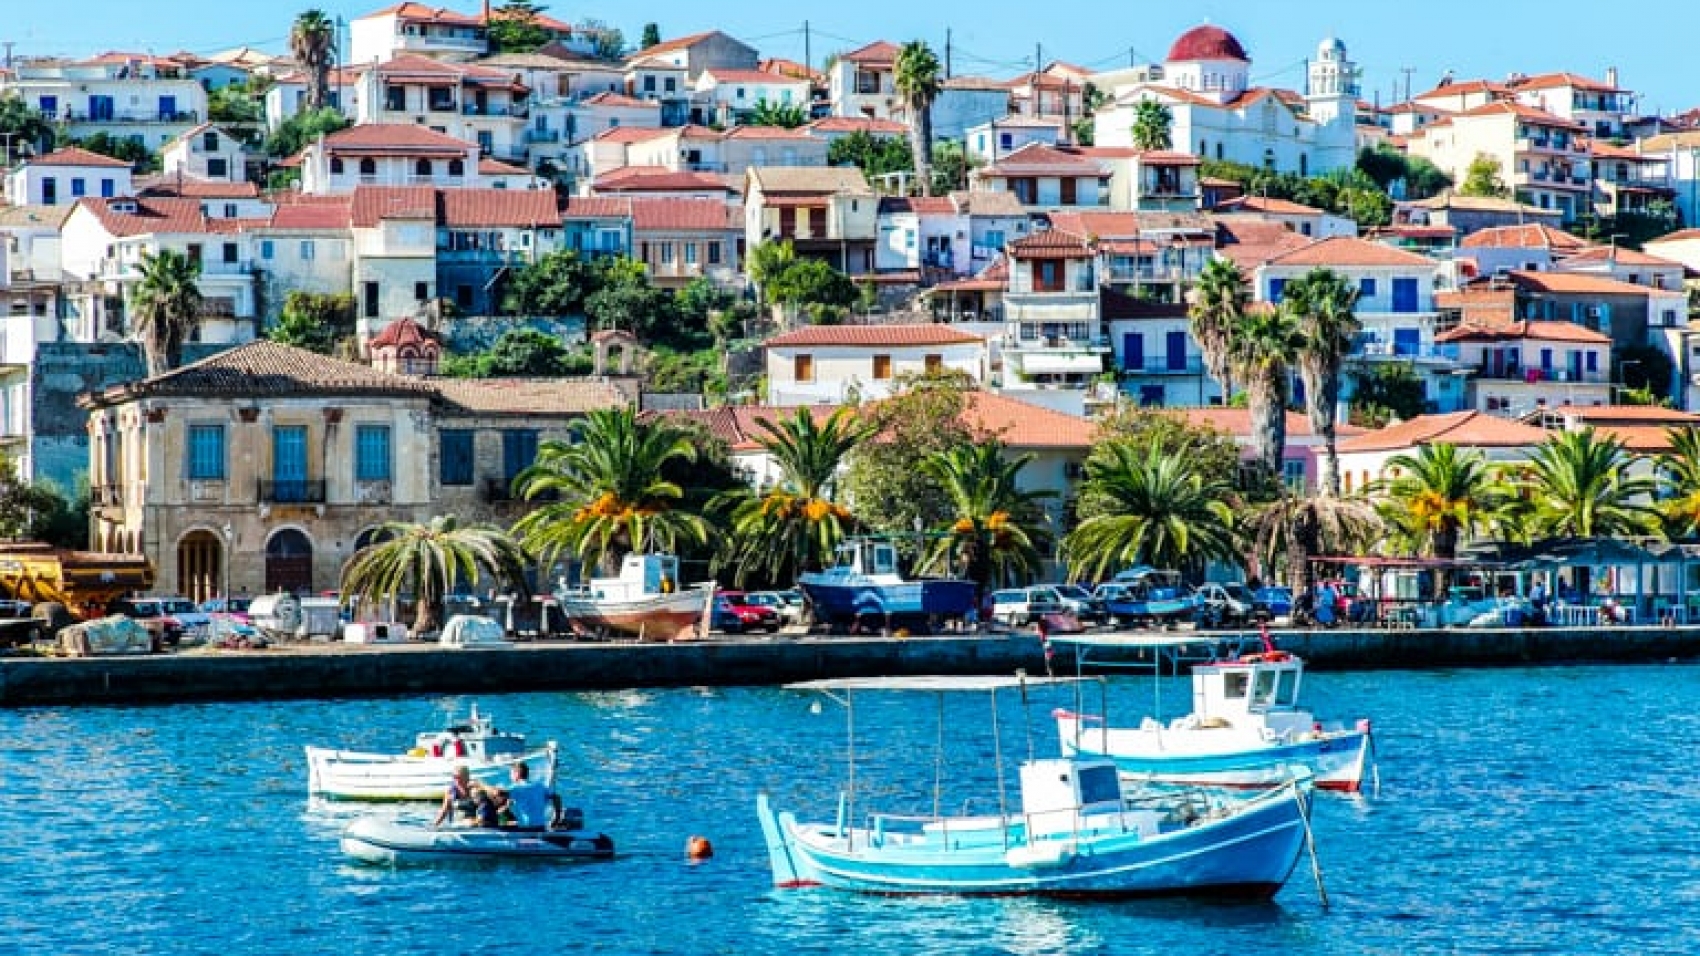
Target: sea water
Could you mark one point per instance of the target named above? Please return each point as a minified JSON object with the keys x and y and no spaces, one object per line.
{"x":1548,"y":810}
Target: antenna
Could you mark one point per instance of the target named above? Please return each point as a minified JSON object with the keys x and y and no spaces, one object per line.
{"x":1407,"y":70}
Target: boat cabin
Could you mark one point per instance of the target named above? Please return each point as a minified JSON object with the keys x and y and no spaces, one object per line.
{"x":475,"y":740}
{"x":641,"y":575}
{"x":1232,"y":690}
{"x":867,"y":556}
{"x":1057,"y":793}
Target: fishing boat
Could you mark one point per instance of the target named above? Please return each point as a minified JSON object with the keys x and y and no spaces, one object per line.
{"x":373,"y":839}
{"x":1245,"y":730}
{"x":1071,"y":830}
{"x":645,"y":601}
{"x":422,"y":773}
{"x":1150,"y":596}
{"x":864,"y":590}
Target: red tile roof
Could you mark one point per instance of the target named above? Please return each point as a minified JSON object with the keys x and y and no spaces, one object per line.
{"x":765,"y":132}
{"x":852,"y":124}
{"x":1206,"y":42}
{"x":1020,"y":425}
{"x":661,"y":181}
{"x":1549,"y":81}
{"x":791,"y":68}
{"x":1525,"y":236}
{"x":1469,"y":429}
{"x":1527,"y":114}
{"x":151,"y":215}
{"x":1050,"y":244}
{"x":853,"y":336}
{"x":76,"y":156}
{"x":390,"y":139}
{"x":607,"y":98}
{"x":1622,"y":255}
{"x":878,"y":53}
{"x":267,"y":368}
{"x":1351,"y":251}
{"x":677,"y":43}
{"x":374,"y":204}
{"x":1038,"y":159}
{"x":402,"y":331}
{"x":682,"y":215}
{"x":527,"y":397}
{"x":597,"y":207}
{"x":1576,"y":283}
{"x":1103,"y":225}
{"x":1237,"y":421}
{"x":321,"y":213}
{"x":752,"y":76}
{"x":1465,"y":86}
{"x":190,"y":187}
{"x":1546,"y":331}
{"x":497,"y":208}
{"x":1267,"y":206}
{"x":1624,"y":414}
{"x":419,"y":11}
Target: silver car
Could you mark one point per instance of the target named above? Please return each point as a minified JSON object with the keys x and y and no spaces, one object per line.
{"x":789,"y":611}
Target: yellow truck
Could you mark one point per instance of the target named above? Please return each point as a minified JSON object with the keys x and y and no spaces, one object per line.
{"x":81,"y":583}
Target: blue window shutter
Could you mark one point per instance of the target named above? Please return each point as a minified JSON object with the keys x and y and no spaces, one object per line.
{"x":455,"y":466}
{"x":1176,"y":343}
{"x":1407,"y":341}
{"x":1275,"y":288}
{"x":372,"y":453}
{"x":1133,"y":351}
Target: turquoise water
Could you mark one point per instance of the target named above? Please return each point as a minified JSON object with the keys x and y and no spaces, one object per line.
{"x":1521,"y":811}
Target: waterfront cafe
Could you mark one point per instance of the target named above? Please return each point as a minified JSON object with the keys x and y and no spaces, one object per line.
{"x":1584,"y":577}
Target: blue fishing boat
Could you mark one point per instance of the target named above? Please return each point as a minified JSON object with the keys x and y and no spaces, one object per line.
{"x":1071,"y":831}
{"x":1150,"y":596}
{"x":865,"y":590}
{"x":1245,"y":729}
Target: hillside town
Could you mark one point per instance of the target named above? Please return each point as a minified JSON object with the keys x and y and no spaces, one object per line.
{"x":443,"y":270}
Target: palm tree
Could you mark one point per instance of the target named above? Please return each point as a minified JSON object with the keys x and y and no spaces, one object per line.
{"x":1439,"y":496}
{"x":998,"y":531}
{"x":917,"y":81}
{"x":1152,"y":123}
{"x":1578,"y":484}
{"x":1142,"y":506}
{"x":426,"y":560}
{"x":1679,"y":475}
{"x":312,"y":41}
{"x":1322,"y":304}
{"x":796,"y":525}
{"x":1215,"y":306}
{"x":1262,"y":347}
{"x":1297,"y":528}
{"x":166,"y":302}
{"x":604,"y":491}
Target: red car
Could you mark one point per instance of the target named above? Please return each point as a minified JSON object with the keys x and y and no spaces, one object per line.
{"x":751,"y":617}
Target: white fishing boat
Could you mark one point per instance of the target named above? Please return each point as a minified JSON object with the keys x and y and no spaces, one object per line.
{"x":423,"y":771}
{"x":646,"y":601}
{"x":1245,"y":729}
{"x":1070,"y":831}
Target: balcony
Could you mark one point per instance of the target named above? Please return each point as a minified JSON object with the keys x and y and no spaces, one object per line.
{"x":1388,"y":350}
{"x":131,"y":116}
{"x":1540,"y":376}
{"x":106,"y":496}
{"x":542,"y":135}
{"x":1160,"y":365}
{"x":495,"y":109}
{"x":300,"y":491}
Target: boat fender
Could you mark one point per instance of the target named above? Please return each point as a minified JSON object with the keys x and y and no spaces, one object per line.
{"x":436,"y":750}
{"x":698,"y":848}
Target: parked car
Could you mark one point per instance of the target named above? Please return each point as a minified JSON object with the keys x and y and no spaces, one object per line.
{"x":1272,"y":603}
{"x":153,"y":614}
{"x":1021,"y":606}
{"x":190,"y":616}
{"x":789,"y":612}
{"x":236,"y":607}
{"x":1226,"y":604}
{"x":1082,"y":603}
{"x":751,"y":617}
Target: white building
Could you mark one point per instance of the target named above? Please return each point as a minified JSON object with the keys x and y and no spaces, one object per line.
{"x":463,"y":100}
{"x":863,"y":82}
{"x":206,"y":152}
{"x":1218,"y":114}
{"x":146,"y":99}
{"x":395,"y":154}
{"x":64,"y":176}
{"x":834,"y":364}
{"x":730,"y":96}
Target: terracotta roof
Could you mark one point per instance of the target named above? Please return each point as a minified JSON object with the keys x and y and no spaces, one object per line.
{"x":597,"y":207}
{"x":877,"y":53}
{"x":1103,"y":225}
{"x":1351,"y":251}
{"x":1237,"y":421}
{"x":852,"y":124}
{"x":1465,"y":86}
{"x":608,"y":98}
{"x":1050,"y":244}
{"x":1526,"y":236}
{"x":1267,"y":206}
{"x":1548,"y":81}
{"x":1681,"y":235}
{"x":634,"y":179}
{"x":190,"y":187}
{"x":677,"y":43}
{"x":1038,"y":159}
{"x":402,"y":331}
{"x":321,"y":213}
{"x":152,"y":215}
{"x":810,"y":179}
{"x":267,"y":368}
{"x":1620,"y":254}
{"x":419,"y":11}
{"x":1577,"y":283}
{"x":765,"y":132}
{"x":1469,"y":429}
{"x":791,"y":68}
{"x":996,"y":202}
{"x":682,"y":215}
{"x":631,"y":134}
{"x":1641,"y":439}
{"x":753,"y":76}
{"x":1540,"y":329}
{"x":491,"y":208}
{"x":373,"y":204}
{"x":36,"y":217}
{"x":1622,"y":414}
{"x":377,"y":139}
{"x":76,"y":156}
{"x":1252,"y":242}
{"x":495,"y":167}
{"x":1206,"y":42}
{"x":855,"y":336}
{"x":1526,"y":113}
{"x":527,"y":396}
{"x":1020,"y":425}
{"x":1451,"y":200}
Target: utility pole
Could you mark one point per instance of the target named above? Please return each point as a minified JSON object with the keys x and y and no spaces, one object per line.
{"x":1407,"y":70}
{"x":808,"y":61}
{"x":947,"y":53}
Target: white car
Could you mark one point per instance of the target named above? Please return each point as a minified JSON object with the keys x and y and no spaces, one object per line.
{"x":789,"y":611}
{"x":1019,"y":606}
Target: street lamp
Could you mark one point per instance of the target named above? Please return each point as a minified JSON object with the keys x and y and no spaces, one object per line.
{"x":229,"y":541}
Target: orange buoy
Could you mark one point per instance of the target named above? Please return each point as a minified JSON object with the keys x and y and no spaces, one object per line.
{"x":698,"y":848}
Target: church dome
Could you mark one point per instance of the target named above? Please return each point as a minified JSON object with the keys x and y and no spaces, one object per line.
{"x":1207,"y":42}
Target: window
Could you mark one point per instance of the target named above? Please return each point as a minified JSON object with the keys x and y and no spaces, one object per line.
{"x":79,"y":187}
{"x":714,"y":253}
{"x":336,"y":165}
{"x":1293,"y":474}
{"x":368,"y":167}
{"x":666,"y":253}
{"x":307,"y":250}
{"x":519,"y":450}
{"x":369,"y":295}
{"x":649,"y":84}
{"x":206,"y":452}
{"x":455,"y":466}
{"x":422,"y":167}
{"x":218,"y":168}
{"x":882,"y":367}
{"x":1275,"y":287}
{"x":268,"y":248}
{"x":933,"y":364}
{"x":803,"y":368}
{"x":229,"y":252}
{"x":1366,"y":289}
{"x":457,"y":167}
{"x":463,"y":297}
{"x":209,"y":141}
{"x":1047,"y":276}
{"x":372,"y":453}
{"x":421,"y":291}
{"x":690,"y":253}
{"x":230,"y":210}
{"x":108,"y":189}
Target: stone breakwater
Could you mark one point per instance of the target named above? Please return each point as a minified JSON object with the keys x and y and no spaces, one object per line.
{"x":339,"y":670}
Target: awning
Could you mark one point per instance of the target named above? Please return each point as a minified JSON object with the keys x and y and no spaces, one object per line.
{"x":1039,"y":363}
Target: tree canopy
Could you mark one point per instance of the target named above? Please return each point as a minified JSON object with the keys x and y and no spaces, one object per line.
{"x":514,"y":27}
{"x":318,"y":323}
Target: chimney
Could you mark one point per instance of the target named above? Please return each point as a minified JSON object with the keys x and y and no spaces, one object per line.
{"x":1611,"y":77}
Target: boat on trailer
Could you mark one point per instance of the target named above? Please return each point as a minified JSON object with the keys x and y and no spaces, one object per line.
{"x":1245,"y":729}
{"x":423,"y":772}
{"x":864,"y":590}
{"x":646,"y":601}
{"x":1072,"y":830}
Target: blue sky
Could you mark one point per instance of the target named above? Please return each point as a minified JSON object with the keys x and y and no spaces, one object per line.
{"x":1650,"y":45}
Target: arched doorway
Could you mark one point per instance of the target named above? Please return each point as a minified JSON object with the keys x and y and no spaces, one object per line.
{"x":200,"y":565}
{"x":289,"y":562}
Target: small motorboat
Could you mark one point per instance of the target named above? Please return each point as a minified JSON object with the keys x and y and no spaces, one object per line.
{"x":422,"y":773}
{"x":374,"y":839}
{"x":1068,"y":830}
{"x":1245,"y":730}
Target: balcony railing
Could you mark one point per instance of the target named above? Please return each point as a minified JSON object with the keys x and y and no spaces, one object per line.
{"x":1541,"y":376}
{"x":302,"y":491}
{"x":1398,"y":350}
{"x":1192,"y":365}
{"x":495,"y":109}
{"x":131,"y":116}
{"x":542,"y":135}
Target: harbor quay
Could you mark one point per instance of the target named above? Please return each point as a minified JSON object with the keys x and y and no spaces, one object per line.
{"x":312,"y":669}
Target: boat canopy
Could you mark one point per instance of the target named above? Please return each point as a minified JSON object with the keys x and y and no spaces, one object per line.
{"x":941,"y":683}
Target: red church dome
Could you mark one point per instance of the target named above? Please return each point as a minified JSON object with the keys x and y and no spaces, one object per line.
{"x":1207,"y":43}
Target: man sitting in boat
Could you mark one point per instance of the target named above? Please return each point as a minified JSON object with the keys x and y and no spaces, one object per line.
{"x":460,"y":799}
{"x":527,"y":800}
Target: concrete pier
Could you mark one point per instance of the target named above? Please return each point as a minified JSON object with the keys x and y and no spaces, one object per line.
{"x":342,"y":670}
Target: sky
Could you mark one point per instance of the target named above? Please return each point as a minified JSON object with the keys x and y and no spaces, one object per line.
{"x":1398,"y":45}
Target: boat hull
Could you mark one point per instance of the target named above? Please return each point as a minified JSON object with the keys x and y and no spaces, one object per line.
{"x":658,"y":617}
{"x":846,"y":601}
{"x":393,"y":842}
{"x":1247,"y":854}
{"x":351,"y":775}
{"x":1219,"y":757}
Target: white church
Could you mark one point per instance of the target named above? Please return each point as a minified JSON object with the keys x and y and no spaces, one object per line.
{"x":1218,"y":115}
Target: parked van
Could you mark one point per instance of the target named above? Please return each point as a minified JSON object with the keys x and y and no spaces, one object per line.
{"x":1021,"y":606}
